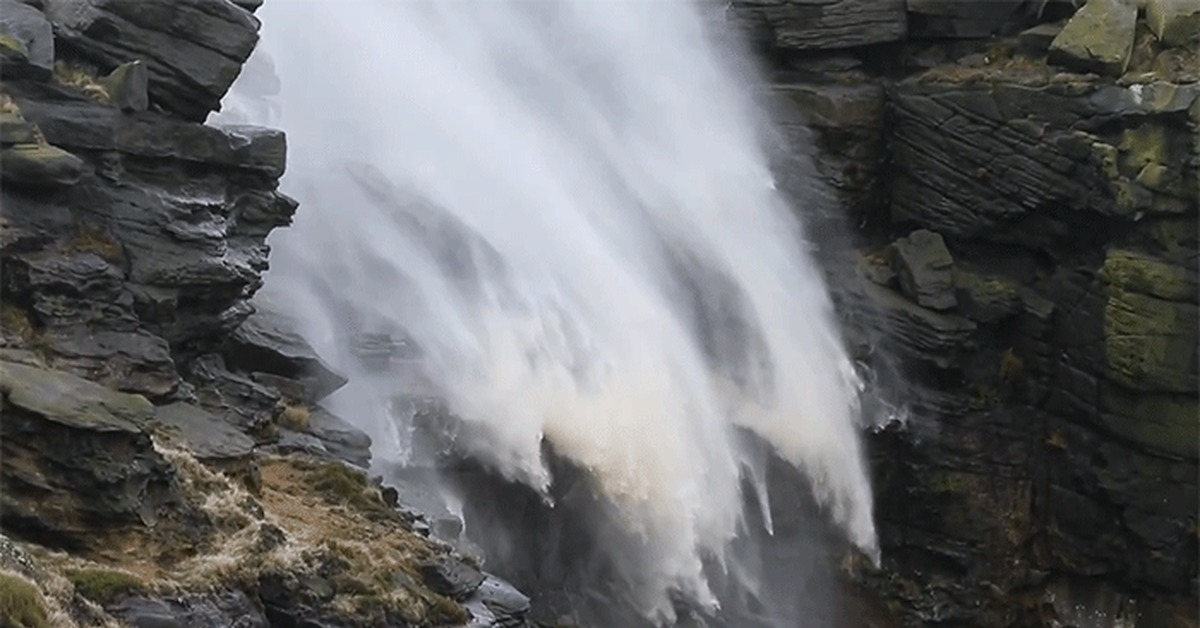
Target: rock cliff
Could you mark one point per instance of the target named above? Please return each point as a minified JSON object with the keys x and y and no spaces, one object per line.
{"x":164,"y":459}
{"x":1022,"y":204}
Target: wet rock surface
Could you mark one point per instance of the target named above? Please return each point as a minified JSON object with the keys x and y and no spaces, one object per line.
{"x":1042,"y":471}
{"x":156,"y":426}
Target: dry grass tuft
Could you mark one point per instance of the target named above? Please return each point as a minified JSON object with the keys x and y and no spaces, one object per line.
{"x":15,"y":323}
{"x":295,"y":417}
{"x":21,"y":603}
{"x":83,"y":79}
{"x":93,"y":239}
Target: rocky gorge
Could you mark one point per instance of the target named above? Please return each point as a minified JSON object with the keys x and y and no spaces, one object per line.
{"x":1004,"y":196}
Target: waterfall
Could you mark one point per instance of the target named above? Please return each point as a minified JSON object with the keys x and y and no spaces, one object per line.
{"x":566,"y":208}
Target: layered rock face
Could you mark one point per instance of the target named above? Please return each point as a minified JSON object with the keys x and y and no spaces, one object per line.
{"x":1024,"y":213}
{"x":154,"y":426}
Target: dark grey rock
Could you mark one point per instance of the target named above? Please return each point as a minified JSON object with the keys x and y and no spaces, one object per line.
{"x":193,"y":49}
{"x":920,"y":333}
{"x":24,"y":27}
{"x":88,"y":323}
{"x":91,"y":126}
{"x":925,"y":269}
{"x":451,"y":577}
{"x":1174,"y":22}
{"x":341,"y":439}
{"x":267,"y":342}
{"x":250,"y":405}
{"x":820,"y":24}
{"x":1098,"y":38}
{"x":209,"y":437}
{"x":76,"y":457}
{"x":497,"y":604}
{"x":127,"y":86}
{"x":955,"y":19}
{"x":219,"y":609}
{"x":39,"y":165}
{"x":249,"y":5}
{"x":297,"y":442}
{"x":1007,"y":162}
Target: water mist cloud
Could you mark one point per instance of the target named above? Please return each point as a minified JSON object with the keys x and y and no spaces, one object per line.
{"x":567,"y":207}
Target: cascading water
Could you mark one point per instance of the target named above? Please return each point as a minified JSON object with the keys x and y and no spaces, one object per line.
{"x":567,"y":207}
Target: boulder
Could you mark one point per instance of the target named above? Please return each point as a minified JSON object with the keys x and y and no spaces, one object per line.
{"x":266,"y":342}
{"x":1174,"y":22}
{"x":820,"y":24}
{"x":27,"y":41}
{"x":1098,"y":38}
{"x":127,"y":86}
{"x":39,"y":165}
{"x":341,"y":439}
{"x":497,"y":604}
{"x":451,"y":577}
{"x":76,"y":458}
{"x":193,"y":49}
{"x":925,"y":269}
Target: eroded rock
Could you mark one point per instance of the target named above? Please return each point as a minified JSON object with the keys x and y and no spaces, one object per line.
{"x":76,"y":458}
{"x":925,"y":269}
{"x":193,"y":49}
{"x":1174,"y":22}
{"x":1098,"y":38}
{"x":40,"y":165}
{"x":267,"y":342}
{"x":27,"y":41}
{"x":127,"y":86}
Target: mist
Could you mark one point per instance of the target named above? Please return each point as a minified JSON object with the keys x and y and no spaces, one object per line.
{"x":559,"y":218}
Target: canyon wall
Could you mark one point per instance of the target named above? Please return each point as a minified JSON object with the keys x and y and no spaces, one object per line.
{"x":1022,"y":208}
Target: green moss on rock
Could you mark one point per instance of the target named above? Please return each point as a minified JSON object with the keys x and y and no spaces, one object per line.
{"x":104,"y":586}
{"x":1143,"y":274}
{"x":1150,"y":343}
{"x":21,"y":604}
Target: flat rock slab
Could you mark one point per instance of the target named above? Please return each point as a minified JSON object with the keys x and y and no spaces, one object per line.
{"x":821,"y":24}
{"x":265,"y":342}
{"x":1097,"y":39}
{"x":72,"y":401}
{"x":956,"y":19}
{"x":1174,"y":22}
{"x":206,"y":435}
{"x":452,"y":577}
{"x":925,"y":269}
{"x":39,"y":165}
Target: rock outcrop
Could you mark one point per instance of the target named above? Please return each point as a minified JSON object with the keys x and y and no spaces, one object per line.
{"x":1043,"y":327}
{"x":162,"y":435}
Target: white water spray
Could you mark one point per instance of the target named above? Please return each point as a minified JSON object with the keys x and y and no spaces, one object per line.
{"x":567,"y":205}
